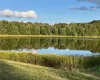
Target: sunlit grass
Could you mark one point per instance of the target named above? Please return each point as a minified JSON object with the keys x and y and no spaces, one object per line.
{"x":53,"y":60}
{"x":10,"y":70}
{"x":50,"y":36}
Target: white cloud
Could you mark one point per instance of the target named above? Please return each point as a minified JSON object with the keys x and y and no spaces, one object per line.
{"x":10,"y":13}
{"x":91,"y":1}
{"x":84,"y":8}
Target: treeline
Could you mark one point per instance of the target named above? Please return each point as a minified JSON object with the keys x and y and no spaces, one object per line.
{"x":73,"y":29}
{"x":44,"y":43}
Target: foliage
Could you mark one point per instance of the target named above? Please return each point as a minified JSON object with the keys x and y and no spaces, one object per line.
{"x":72,"y":29}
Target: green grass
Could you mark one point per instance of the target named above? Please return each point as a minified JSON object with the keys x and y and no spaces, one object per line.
{"x":53,"y":60}
{"x":10,"y":70}
{"x":50,"y":36}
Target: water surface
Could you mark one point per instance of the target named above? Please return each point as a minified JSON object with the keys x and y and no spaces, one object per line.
{"x":60,"y":46}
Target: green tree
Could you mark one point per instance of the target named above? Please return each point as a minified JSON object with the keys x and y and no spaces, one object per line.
{"x":54,"y":31}
{"x":43,"y":30}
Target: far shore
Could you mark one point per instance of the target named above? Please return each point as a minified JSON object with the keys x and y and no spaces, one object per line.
{"x":49,"y":36}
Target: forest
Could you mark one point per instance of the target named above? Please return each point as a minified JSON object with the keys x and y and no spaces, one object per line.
{"x":29,"y":28}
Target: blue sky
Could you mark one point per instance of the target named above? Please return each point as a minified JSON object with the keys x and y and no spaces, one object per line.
{"x":54,"y":11}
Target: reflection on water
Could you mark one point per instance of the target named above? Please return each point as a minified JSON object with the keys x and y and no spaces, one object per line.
{"x":61,"y":46}
{"x":57,"y":51}
{"x":65,"y":52}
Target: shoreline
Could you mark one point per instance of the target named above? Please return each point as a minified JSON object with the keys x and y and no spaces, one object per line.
{"x":50,"y":36}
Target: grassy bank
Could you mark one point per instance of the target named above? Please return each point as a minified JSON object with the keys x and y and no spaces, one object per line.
{"x":10,"y":70}
{"x":51,"y":60}
{"x":49,"y":36}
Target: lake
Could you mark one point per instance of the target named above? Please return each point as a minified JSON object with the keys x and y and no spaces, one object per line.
{"x":60,"y":46}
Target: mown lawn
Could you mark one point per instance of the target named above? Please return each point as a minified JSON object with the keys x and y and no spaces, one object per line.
{"x":10,"y":70}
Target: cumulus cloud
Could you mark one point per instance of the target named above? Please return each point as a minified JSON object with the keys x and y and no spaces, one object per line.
{"x":84,"y":8}
{"x":91,"y":1}
{"x":10,"y":13}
